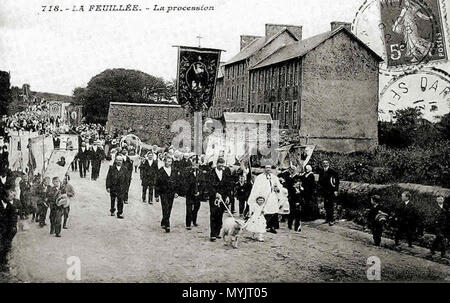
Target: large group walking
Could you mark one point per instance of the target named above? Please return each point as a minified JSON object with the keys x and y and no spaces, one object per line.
{"x":256,"y":199}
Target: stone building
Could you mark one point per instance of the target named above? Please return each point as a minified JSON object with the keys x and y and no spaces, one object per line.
{"x":152,"y":123}
{"x":323,"y":89}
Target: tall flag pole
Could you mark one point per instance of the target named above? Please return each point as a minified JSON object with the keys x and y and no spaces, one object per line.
{"x":196,"y":83}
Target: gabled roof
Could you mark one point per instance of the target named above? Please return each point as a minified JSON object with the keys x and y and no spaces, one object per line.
{"x":246,"y":117}
{"x":301,"y":48}
{"x":256,"y":45}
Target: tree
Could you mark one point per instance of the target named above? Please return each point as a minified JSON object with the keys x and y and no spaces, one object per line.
{"x":410,"y":128}
{"x":119,"y":85}
{"x":444,"y":126}
{"x":5,"y":92}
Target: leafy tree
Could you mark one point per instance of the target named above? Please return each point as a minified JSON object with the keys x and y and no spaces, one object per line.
{"x":119,"y":85}
{"x":410,"y":128}
{"x":444,"y":126}
{"x":5,"y":92}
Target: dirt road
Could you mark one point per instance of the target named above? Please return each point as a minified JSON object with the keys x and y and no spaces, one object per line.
{"x":136,"y":249}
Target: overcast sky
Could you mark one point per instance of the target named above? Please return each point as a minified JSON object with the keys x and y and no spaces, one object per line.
{"x":58,"y":51}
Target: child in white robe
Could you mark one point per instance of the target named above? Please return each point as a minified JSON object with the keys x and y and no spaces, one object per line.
{"x":257,"y":223}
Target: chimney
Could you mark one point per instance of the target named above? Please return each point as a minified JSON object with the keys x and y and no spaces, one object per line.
{"x":337,"y":24}
{"x":272,"y":29}
{"x":247,"y":39}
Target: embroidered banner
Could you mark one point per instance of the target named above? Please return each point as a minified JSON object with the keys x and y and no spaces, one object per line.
{"x":197,"y":73}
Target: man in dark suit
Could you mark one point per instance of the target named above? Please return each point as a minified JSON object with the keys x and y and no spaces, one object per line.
{"x":220,"y":187}
{"x":56,"y":211}
{"x":8,"y":227}
{"x":166,"y":190}
{"x":116,"y":185}
{"x":128,"y":163}
{"x":83,"y":159}
{"x":4,"y":155}
{"x":329,"y":185}
{"x":6,"y":181}
{"x":96,"y":155}
{"x":406,"y":220}
{"x":193,"y":182}
{"x":310,"y":209}
{"x":42,"y":204}
{"x":441,"y":226}
{"x":149,"y":170}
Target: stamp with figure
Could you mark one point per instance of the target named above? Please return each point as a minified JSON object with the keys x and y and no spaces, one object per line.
{"x":408,"y":34}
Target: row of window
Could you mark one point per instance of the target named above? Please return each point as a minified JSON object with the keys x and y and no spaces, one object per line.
{"x":235,"y":70}
{"x":236,"y":92}
{"x":275,"y":76}
{"x":281,"y":111}
{"x":217,"y":112}
{"x":275,"y":109}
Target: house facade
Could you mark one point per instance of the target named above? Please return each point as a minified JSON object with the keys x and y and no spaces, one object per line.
{"x":323,"y":89}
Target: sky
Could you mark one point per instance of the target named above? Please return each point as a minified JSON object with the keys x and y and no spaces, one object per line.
{"x":58,"y":51}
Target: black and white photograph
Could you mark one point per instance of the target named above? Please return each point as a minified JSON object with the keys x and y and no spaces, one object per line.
{"x":224,"y":141}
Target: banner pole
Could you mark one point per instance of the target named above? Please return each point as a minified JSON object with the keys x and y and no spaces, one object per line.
{"x":198,"y":133}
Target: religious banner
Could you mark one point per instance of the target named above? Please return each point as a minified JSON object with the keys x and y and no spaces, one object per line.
{"x":74,"y":114}
{"x":68,"y":142}
{"x":54,"y":109}
{"x":59,"y":163}
{"x":40,"y":150}
{"x":297,"y":156}
{"x":197,"y":73}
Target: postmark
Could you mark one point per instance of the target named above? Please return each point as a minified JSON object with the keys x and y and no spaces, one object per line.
{"x":407,"y":34}
{"x":428,"y":90}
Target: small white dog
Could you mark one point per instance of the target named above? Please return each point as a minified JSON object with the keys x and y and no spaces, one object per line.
{"x":230,"y":230}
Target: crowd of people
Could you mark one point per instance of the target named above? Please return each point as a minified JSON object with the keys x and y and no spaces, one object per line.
{"x":257,"y":203}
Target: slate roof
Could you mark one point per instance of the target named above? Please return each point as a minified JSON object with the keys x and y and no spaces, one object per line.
{"x":301,"y":48}
{"x":256,"y":45}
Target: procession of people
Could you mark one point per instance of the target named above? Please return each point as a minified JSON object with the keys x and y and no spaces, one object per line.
{"x":262,"y":201}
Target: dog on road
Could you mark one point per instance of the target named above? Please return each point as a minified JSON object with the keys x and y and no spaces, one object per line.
{"x":230,"y":230}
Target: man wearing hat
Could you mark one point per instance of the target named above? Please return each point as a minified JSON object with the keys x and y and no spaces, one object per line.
{"x":220,"y":187}
{"x":96,"y":155}
{"x":329,"y":185}
{"x":116,"y":185}
{"x":193,"y":181}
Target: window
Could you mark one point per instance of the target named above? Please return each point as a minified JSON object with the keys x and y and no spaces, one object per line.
{"x":294,"y":114}
{"x":279,"y":111}
{"x":260,"y":81}
{"x":259,"y":108}
{"x":242,"y":92}
{"x":296,"y":74}
{"x":273,"y":78}
{"x":232,"y":93}
{"x":237,"y":93}
{"x":272,"y":113}
{"x":286,"y":116}
{"x":253,"y":108}
{"x":265,"y":108}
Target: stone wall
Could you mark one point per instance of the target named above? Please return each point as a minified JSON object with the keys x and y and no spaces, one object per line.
{"x":152,"y":122}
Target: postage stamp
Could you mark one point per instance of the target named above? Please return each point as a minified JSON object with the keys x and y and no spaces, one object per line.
{"x":408,"y":34}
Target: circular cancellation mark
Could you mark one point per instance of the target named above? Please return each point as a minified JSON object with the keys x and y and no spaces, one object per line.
{"x":407,"y":34}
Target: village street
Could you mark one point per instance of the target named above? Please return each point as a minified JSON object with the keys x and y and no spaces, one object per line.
{"x":136,"y":249}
